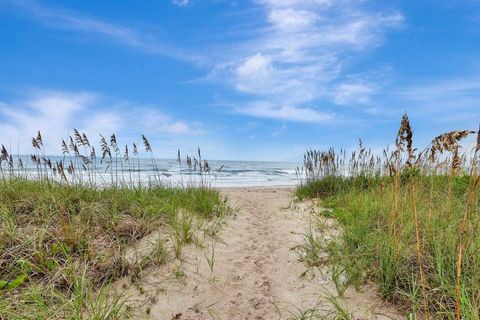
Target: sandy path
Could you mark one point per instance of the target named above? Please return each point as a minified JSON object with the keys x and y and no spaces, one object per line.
{"x":256,"y":274}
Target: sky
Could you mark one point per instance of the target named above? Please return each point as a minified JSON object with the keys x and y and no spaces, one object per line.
{"x":244,"y":80}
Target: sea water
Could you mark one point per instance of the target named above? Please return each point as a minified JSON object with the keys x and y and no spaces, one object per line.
{"x":222,"y":173}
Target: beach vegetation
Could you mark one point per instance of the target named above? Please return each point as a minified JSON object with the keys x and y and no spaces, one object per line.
{"x":409,"y":220}
{"x":67,"y":232}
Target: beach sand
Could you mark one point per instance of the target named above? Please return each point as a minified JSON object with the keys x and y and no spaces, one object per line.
{"x":256,"y":272}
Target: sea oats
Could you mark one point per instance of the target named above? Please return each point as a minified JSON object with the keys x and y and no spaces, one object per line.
{"x":126,"y":155}
{"x":146,"y":143}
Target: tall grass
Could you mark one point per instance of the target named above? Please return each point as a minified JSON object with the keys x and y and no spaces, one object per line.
{"x":66,"y":228}
{"x":106,"y":164}
{"x":409,"y":218}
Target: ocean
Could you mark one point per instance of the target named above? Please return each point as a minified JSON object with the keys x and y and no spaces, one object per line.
{"x":170,"y":172}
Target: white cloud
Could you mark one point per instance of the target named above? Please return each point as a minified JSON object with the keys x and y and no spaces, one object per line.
{"x":255,"y":74}
{"x":56,"y":113}
{"x":289,"y":19}
{"x":47,"y":111}
{"x":255,"y":66}
{"x":153,"y":121}
{"x":76,"y":21}
{"x":181,"y":3}
{"x":453,"y":100}
{"x":298,"y":57}
{"x":287,"y":3}
{"x":285,"y":112}
{"x":352,"y":93}
{"x":438,"y":90}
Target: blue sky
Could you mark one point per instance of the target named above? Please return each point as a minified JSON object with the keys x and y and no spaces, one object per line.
{"x":251,"y":79}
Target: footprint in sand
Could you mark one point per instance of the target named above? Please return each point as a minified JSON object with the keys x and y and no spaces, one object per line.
{"x":256,"y":275}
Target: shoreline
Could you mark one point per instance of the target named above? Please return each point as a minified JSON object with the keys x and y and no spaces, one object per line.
{"x":240,"y":188}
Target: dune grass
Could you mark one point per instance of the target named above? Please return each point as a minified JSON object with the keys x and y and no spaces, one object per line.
{"x":410,"y":222}
{"x":66,"y":227}
{"x":60,"y":245}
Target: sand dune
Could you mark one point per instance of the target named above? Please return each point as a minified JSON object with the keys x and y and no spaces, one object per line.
{"x":256,"y":273}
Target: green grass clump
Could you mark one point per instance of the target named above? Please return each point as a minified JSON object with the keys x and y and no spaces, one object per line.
{"x":379,"y":242}
{"x":424,"y":276}
{"x":409,"y":222}
{"x":332,"y":185}
{"x":61,"y":244}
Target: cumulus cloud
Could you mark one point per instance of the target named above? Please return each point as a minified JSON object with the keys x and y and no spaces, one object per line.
{"x":257,"y":65}
{"x":56,"y":113}
{"x":298,"y":57}
{"x":255,"y":74}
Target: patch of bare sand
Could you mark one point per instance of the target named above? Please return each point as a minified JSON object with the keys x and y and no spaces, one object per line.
{"x":256,"y":273}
